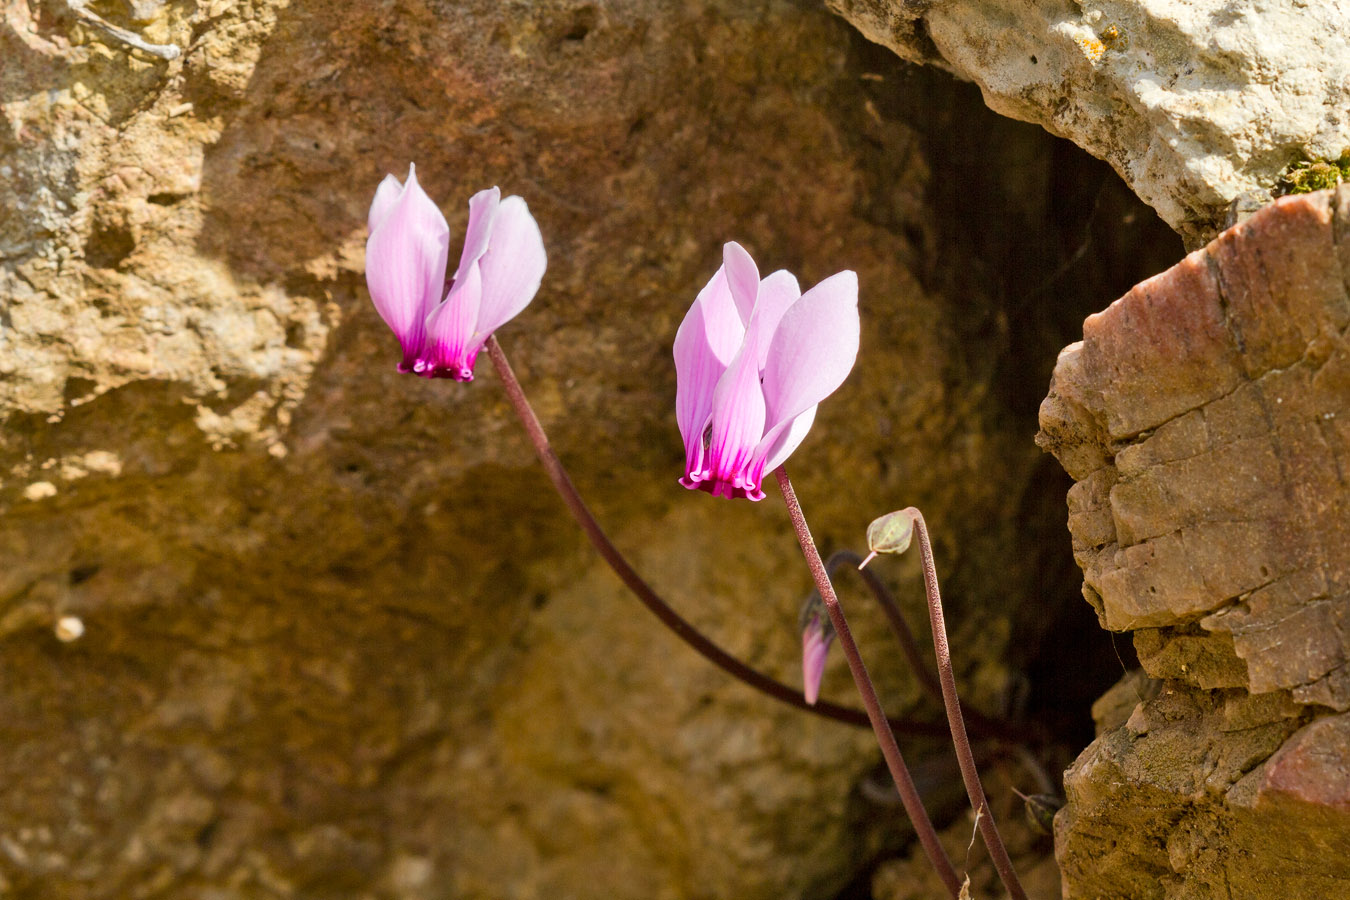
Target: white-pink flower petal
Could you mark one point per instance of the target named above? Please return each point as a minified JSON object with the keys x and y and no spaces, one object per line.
{"x":406,"y":256}
{"x":705,"y":344}
{"x":777,"y":292}
{"x":512,"y":267}
{"x":742,"y":278}
{"x":386,"y":195}
{"x":482,"y":210}
{"x":781,"y":440}
{"x":737,"y":423}
{"x":813,"y":349}
{"x":449,"y":349}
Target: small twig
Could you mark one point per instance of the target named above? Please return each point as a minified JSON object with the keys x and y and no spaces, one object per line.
{"x":1044,"y":782}
{"x":1083,"y":246}
{"x":89,"y":17}
{"x":648,"y":597}
{"x":998,"y":853}
{"x":890,"y":750}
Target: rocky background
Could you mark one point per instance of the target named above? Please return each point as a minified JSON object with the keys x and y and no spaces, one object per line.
{"x":1206,"y":418}
{"x":1198,"y":104}
{"x":336,"y":637}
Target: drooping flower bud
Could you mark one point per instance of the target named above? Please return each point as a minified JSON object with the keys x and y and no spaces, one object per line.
{"x":816,"y":639}
{"x":817,"y":635}
{"x":889,"y":534}
{"x":1040,"y":811}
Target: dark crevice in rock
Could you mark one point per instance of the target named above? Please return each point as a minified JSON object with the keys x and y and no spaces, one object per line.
{"x":1052,"y":235}
{"x":1026,"y":235}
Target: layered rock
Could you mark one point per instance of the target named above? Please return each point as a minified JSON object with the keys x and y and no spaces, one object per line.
{"x":1196,"y":103}
{"x":335,"y":637}
{"x":1206,"y":419}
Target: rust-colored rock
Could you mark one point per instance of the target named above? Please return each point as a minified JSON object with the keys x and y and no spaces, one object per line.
{"x":338,"y":638}
{"x":1206,"y":419}
{"x":1313,"y":767}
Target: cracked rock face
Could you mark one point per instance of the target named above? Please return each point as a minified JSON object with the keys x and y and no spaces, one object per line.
{"x":1206,"y":419}
{"x":276,"y":621}
{"x":1195,"y":103}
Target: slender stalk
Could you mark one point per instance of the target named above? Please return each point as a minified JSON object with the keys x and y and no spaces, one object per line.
{"x":899,"y":627}
{"x":964,"y":755}
{"x":890,"y":750}
{"x":983,"y":726}
{"x":649,"y":598}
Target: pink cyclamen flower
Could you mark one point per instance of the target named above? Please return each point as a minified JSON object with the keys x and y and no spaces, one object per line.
{"x":816,"y":639}
{"x":752,"y":361}
{"x":406,"y":256}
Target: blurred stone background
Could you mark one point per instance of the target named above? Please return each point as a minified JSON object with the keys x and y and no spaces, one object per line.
{"x":340,"y":640}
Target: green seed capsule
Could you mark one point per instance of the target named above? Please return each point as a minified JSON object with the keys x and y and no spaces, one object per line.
{"x":891,"y":533}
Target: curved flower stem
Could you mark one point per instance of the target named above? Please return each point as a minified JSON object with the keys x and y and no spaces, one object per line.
{"x":969,"y":774}
{"x":899,"y":627}
{"x":649,"y":598}
{"x":983,"y":726}
{"x":904,"y":783}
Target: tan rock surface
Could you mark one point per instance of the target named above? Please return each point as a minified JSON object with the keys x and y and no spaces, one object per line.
{"x":337,"y":639}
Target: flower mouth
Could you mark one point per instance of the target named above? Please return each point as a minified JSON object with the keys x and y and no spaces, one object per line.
{"x":737,"y":488}
{"x":427,"y":369}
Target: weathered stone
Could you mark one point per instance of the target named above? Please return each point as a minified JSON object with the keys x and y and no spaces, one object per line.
{"x":1313,"y":767}
{"x":339,"y":640}
{"x":1211,"y":400}
{"x":1209,"y":795}
{"x":1203,"y":416}
{"x":1195,"y":103}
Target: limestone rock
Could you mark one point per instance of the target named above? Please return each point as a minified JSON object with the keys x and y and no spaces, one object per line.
{"x":339,"y":640}
{"x":1204,"y":416}
{"x":1209,"y":795}
{"x":1196,"y":103}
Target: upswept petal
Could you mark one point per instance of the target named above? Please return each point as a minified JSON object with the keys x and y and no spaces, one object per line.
{"x":777,"y":292}
{"x":406,"y":256}
{"x":482,"y":209}
{"x":726,"y":331}
{"x":450,"y":349}
{"x":386,"y":195}
{"x":780,"y":441}
{"x":737,"y":424}
{"x":512,"y":267}
{"x":707,"y":341}
{"x":813,"y":349}
{"x":742,"y":278}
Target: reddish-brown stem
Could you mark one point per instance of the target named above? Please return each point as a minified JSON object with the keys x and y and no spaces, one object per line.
{"x":890,"y":750}
{"x":649,"y":598}
{"x":983,"y":726}
{"x":899,"y":627}
{"x":964,"y":755}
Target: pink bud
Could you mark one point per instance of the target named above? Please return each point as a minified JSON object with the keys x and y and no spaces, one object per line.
{"x":815,"y":647}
